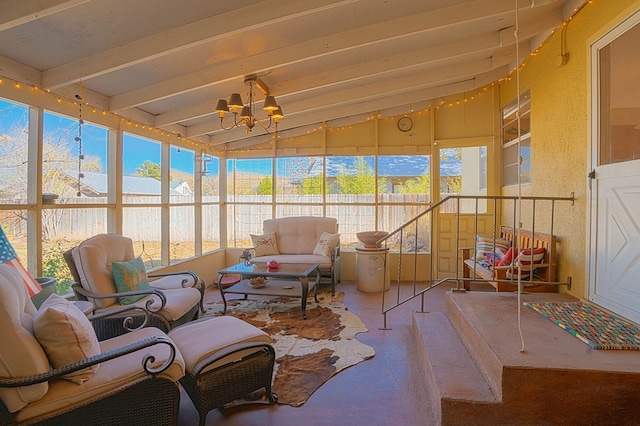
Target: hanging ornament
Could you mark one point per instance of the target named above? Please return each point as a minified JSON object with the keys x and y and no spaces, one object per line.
{"x":79,"y":140}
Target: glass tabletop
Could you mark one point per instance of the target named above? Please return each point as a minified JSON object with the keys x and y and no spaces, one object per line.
{"x":261,"y":269}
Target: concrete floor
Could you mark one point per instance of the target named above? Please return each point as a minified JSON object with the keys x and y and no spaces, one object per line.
{"x":379,"y":391}
{"x":566,"y":380}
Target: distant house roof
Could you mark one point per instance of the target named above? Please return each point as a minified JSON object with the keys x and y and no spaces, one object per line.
{"x":96,"y":183}
{"x":181,"y":186}
{"x":397,"y":166}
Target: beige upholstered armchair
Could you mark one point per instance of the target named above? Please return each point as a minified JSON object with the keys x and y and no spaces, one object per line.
{"x":54,"y":370}
{"x":108,"y":274}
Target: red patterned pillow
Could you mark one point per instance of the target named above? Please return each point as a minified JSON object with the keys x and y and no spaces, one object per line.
{"x":524,"y":260}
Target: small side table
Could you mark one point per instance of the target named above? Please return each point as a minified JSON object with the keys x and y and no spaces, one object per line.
{"x":84,"y":306}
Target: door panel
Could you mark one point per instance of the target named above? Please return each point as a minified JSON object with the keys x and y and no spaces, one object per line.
{"x":617,"y":258}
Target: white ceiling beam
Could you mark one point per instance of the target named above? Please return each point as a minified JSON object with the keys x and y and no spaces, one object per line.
{"x":364,"y":93}
{"x":184,"y":37}
{"x":18,"y":12}
{"x":457,"y":50}
{"x":432,"y":21}
{"x":353,"y":72}
{"x":19,"y":72}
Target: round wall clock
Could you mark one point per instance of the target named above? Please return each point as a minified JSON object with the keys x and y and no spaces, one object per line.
{"x":405,"y":124}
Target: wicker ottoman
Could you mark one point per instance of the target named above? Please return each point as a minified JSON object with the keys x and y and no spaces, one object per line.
{"x":225,"y":359}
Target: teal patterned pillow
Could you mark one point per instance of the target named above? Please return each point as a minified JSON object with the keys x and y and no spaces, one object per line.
{"x":130,"y":276}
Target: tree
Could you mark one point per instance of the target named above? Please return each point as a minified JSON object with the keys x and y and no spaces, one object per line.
{"x":265,"y":186}
{"x":150,"y":169}
{"x":311,"y":185}
{"x":361,"y":181}
{"x":59,"y":168}
{"x":417,"y":185}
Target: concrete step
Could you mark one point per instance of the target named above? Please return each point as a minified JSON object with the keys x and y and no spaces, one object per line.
{"x":456,"y":387}
{"x":544,"y":375}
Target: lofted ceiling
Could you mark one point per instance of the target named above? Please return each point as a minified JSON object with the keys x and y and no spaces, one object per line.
{"x":167,"y":62}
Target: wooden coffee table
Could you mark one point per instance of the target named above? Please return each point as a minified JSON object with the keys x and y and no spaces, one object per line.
{"x":290,"y":279}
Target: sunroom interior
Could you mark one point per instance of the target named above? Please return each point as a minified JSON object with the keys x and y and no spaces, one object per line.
{"x":110,"y":123}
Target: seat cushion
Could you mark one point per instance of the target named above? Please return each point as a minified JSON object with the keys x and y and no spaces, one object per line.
{"x":93,"y":258}
{"x":111,"y":375}
{"x":66,"y":335}
{"x":299,"y":234}
{"x":200,"y":339}
{"x":20,"y":352}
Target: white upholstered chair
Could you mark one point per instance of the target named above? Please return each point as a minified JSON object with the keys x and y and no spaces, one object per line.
{"x":170,"y":300}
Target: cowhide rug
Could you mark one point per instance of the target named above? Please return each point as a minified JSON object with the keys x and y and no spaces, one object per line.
{"x":308,"y":352}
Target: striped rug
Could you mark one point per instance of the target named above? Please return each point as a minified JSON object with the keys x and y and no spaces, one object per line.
{"x":595,"y":327}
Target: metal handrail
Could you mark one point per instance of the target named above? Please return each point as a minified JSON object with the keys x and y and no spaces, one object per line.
{"x":420,"y":291}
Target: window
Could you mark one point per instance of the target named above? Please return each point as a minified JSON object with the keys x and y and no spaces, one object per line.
{"x":141,"y":197}
{"x":250,"y":198}
{"x":516,"y":142}
{"x":210,"y":203}
{"x":299,"y":186}
{"x":483,"y":169}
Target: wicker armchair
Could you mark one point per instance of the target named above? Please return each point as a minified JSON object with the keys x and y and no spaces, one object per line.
{"x":133,"y":378}
{"x":173,"y":299}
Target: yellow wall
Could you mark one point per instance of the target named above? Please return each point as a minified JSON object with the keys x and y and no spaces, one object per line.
{"x":560,"y":111}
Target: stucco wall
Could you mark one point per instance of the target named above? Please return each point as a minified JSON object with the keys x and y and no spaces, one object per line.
{"x":560,"y":122}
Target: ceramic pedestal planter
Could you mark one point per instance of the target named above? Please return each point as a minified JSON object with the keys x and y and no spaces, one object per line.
{"x":48,"y":285}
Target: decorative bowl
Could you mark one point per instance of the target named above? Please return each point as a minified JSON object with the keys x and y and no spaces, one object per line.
{"x":273,"y":264}
{"x":257,"y":282}
{"x":369,"y":238}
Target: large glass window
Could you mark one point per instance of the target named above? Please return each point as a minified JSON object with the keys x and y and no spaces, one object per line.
{"x":619,"y":99}
{"x":461,"y":173}
{"x":404,"y":186}
{"x":516,"y":142}
{"x":14,"y":142}
{"x":182,"y":197}
{"x":210,"y":173}
{"x":250,"y":184}
{"x":74,"y":161}
{"x":141,"y":197}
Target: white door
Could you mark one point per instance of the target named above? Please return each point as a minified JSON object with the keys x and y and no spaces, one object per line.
{"x":616,"y":255}
{"x":614,"y":267}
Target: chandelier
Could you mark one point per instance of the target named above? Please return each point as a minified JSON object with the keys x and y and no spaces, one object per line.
{"x":244,"y":115}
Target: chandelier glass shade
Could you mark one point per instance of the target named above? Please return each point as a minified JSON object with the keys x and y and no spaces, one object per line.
{"x":244,"y":115}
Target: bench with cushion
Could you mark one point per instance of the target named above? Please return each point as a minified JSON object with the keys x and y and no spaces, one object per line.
{"x":301,"y":239}
{"x":496,"y":261}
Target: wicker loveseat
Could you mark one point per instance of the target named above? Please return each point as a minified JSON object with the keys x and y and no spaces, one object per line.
{"x":301,"y":239}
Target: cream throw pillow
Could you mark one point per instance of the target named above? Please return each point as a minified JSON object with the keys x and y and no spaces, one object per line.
{"x":66,"y":335}
{"x":265,"y":245}
{"x":326,"y":242}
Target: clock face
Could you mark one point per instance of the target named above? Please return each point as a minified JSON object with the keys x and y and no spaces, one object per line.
{"x":405,"y":124}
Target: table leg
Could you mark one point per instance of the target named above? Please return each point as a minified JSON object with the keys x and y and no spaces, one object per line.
{"x":304,"y":283}
{"x":315,"y":288}
{"x":221,"y":288}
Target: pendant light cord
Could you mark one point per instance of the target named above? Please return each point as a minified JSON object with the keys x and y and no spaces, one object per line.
{"x":519,"y":203}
